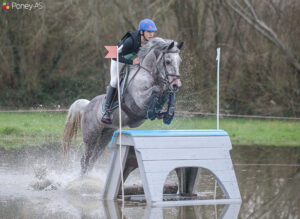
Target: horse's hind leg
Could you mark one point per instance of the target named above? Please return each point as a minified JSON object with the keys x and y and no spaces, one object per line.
{"x":103,"y":140}
{"x":94,"y":146}
{"x":90,"y":144}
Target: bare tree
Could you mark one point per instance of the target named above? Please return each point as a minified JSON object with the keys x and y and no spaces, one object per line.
{"x":248,"y":13}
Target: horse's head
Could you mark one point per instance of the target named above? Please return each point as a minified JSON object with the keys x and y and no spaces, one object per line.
{"x":156,"y":77}
{"x":162,"y":57}
{"x":168,"y":62}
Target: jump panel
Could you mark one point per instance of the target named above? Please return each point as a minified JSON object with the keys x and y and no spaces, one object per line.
{"x":158,"y":152}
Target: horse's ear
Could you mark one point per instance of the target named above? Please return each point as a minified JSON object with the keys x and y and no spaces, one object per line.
{"x":171,"y":46}
{"x":179,"y":46}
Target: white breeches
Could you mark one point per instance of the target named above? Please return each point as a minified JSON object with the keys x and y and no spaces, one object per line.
{"x":114,"y":73}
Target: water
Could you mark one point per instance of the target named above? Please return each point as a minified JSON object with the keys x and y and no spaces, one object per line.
{"x":268,"y":179}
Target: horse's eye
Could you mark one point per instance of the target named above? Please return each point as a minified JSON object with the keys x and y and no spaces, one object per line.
{"x":168,"y":62}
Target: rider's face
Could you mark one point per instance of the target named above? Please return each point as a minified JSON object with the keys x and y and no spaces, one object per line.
{"x":149,"y":34}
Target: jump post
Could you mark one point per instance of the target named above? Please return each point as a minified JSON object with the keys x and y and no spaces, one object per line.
{"x":158,"y":152}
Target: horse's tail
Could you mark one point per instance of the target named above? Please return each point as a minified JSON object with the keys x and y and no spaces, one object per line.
{"x":73,"y":123}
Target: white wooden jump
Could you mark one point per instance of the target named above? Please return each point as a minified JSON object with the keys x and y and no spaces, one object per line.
{"x":158,"y":152}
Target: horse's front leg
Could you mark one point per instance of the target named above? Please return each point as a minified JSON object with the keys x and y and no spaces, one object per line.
{"x":168,"y":116}
{"x":152,"y":102}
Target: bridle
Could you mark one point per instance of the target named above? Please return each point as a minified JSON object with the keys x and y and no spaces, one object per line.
{"x":165,"y":75}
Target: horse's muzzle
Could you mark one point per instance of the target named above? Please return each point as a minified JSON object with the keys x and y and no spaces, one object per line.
{"x":175,"y":86}
{"x":175,"y":82}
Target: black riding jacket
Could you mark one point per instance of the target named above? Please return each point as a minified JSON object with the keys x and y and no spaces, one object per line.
{"x":131,"y":44}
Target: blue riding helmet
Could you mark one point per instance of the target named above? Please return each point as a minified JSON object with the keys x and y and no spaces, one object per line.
{"x":147,"y":25}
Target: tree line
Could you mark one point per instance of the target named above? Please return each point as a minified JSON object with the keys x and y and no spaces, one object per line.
{"x":55,"y":55}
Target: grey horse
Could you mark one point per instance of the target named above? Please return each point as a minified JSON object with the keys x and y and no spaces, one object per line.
{"x":157,"y":74}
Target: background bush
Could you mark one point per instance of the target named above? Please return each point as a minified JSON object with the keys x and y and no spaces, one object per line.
{"x":56,"y":55}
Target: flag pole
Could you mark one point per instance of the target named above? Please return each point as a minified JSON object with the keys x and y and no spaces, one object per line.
{"x":120,"y":127}
{"x":113,"y":52}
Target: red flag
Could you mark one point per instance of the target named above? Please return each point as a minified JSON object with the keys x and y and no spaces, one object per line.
{"x":112,"y":51}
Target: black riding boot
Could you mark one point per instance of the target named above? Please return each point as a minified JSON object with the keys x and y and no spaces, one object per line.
{"x":109,"y":96}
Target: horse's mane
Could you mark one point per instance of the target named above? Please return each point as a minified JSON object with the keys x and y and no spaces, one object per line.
{"x":155,"y":43}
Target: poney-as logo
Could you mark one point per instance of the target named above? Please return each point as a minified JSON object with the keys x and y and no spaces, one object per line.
{"x":19,"y":6}
{"x":6,"y":5}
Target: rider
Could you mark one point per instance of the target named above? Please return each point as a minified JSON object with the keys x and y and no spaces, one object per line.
{"x":132,"y":41}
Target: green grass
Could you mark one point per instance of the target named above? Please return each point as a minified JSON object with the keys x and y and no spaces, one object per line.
{"x":18,"y":129}
{"x":242,"y":131}
{"x":33,"y":129}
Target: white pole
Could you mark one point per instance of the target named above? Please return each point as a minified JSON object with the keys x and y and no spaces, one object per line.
{"x":218,"y":85}
{"x":120,"y":128}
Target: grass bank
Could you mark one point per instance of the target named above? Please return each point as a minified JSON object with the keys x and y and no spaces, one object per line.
{"x":33,"y":129}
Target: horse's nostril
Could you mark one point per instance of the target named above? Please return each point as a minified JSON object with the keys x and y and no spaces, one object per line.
{"x":175,"y":87}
